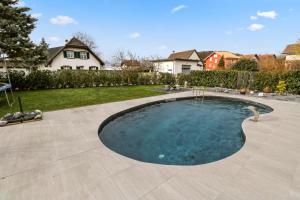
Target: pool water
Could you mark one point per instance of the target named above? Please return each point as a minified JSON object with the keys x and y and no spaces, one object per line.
{"x":185,"y":132}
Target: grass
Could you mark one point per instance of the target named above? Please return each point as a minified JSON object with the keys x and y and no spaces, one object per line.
{"x":56,"y":99}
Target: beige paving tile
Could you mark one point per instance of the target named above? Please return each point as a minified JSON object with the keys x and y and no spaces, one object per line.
{"x":135,"y":182}
{"x":62,"y":157}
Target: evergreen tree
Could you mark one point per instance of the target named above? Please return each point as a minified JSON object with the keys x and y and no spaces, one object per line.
{"x":15,"y":27}
{"x":221,"y":63}
{"x":37,"y":55}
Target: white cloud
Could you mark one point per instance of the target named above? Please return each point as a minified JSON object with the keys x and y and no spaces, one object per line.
{"x":228,"y":32}
{"x":163,"y":47}
{"x":53,"y":39}
{"x":135,"y":35}
{"x":253,"y":17}
{"x":62,"y":20}
{"x":255,"y":27}
{"x":178,"y":8}
{"x":268,"y":14}
{"x":36,"y":15}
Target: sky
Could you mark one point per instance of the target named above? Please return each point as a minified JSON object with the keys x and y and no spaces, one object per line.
{"x":158,"y":27}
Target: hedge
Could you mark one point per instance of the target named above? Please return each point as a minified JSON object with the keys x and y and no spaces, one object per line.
{"x":237,"y":79}
{"x":76,"y":79}
{"x":224,"y":78}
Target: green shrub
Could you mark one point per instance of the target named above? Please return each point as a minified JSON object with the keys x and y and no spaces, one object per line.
{"x":281,"y":87}
{"x":265,"y":79}
{"x":245,"y":65}
{"x":167,"y":79}
{"x":223,"y":78}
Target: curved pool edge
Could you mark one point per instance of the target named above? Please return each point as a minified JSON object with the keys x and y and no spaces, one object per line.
{"x":166,"y":100}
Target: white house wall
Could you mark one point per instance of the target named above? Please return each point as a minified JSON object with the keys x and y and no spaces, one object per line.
{"x":175,"y":67}
{"x":178,"y":66}
{"x":194,"y":56}
{"x":292,"y":57}
{"x":165,"y":66}
{"x":60,"y":60}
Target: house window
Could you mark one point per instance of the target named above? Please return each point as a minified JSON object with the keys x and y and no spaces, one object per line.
{"x":93,"y":68}
{"x":186,"y":69}
{"x":65,"y":67}
{"x":216,"y":61}
{"x":70,"y":54}
{"x":83,"y":55}
{"x":79,"y":67}
{"x":210,"y":59}
{"x":215,"y":55}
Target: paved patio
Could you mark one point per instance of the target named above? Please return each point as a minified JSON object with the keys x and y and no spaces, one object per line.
{"x":62,"y":157}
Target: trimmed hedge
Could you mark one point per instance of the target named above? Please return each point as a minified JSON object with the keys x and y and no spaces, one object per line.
{"x":224,"y":78}
{"x":76,"y":79}
{"x":238,"y":79}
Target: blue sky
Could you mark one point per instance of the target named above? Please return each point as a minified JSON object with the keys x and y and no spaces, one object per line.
{"x":157,"y":27}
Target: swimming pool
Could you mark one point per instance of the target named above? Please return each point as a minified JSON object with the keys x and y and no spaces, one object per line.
{"x":181,"y":132}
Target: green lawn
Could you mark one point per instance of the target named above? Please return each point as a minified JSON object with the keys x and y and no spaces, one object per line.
{"x":47,"y":100}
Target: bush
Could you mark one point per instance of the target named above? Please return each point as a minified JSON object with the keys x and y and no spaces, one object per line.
{"x":78,"y":79}
{"x":245,"y":65}
{"x":281,"y":87}
{"x":223,"y":78}
{"x":167,"y":79}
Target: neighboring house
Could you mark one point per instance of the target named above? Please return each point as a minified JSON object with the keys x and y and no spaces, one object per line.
{"x":134,"y":65}
{"x":179,"y":62}
{"x":292,"y":60}
{"x":130,"y":64}
{"x":73,"y":55}
{"x":212,"y":60}
{"x":202,"y":55}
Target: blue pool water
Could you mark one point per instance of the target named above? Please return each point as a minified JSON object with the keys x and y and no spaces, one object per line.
{"x":185,"y":132}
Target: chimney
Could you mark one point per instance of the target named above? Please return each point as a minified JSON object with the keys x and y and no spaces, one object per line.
{"x":66,"y":41}
{"x":173,"y":51}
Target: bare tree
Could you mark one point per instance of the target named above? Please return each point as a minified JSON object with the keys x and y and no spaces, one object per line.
{"x":121,"y":56}
{"x":118,"y":58}
{"x":87,"y":40}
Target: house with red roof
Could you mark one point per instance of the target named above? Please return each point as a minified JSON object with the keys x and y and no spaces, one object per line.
{"x":212,"y":60}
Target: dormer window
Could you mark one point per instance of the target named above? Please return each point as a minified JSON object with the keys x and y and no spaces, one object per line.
{"x":83,"y":55}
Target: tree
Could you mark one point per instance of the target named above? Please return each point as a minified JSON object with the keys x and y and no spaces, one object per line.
{"x":271,"y":64}
{"x":221,"y":63}
{"x":120,"y":56}
{"x":89,"y":41}
{"x":38,"y":55}
{"x":245,"y":65}
{"x":86,"y":39}
{"x":16,"y":25}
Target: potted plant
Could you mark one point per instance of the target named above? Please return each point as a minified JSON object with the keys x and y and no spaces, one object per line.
{"x":267,"y":89}
{"x":243,"y":91}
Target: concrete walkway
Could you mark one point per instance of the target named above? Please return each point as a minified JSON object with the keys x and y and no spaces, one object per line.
{"x":62,"y":157}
